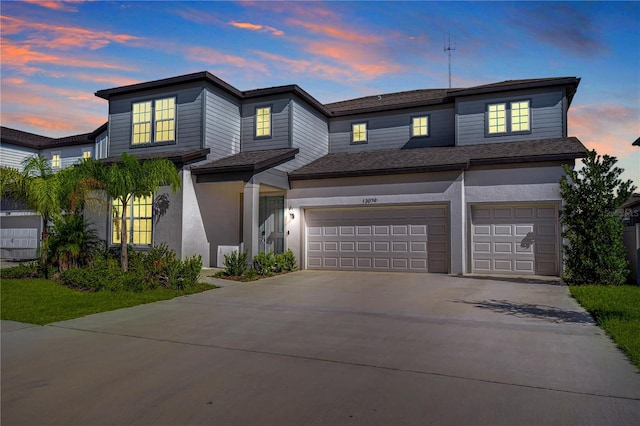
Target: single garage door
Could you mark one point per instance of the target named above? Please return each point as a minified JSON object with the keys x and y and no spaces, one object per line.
{"x":515,"y":239}
{"x":405,"y":239}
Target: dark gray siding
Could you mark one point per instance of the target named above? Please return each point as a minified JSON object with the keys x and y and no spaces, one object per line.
{"x":310,"y":133}
{"x":189,"y":106}
{"x":280,"y":125}
{"x":14,"y":155}
{"x":222,"y":123}
{"x":389,"y":130}
{"x":547,"y":116}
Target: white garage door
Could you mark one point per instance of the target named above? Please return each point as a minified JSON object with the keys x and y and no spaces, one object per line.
{"x":515,"y":239}
{"x":379,"y":239}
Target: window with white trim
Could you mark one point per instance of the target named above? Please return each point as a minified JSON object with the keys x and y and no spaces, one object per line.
{"x":56,"y":160}
{"x":86,"y":153}
{"x":359,"y":133}
{"x":263,"y":122}
{"x":138,"y":220}
{"x":420,"y":126}
{"x":159,"y":130}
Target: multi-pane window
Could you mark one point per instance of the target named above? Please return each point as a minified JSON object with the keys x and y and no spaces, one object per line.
{"x":359,"y":133}
{"x":165,"y":120}
{"x":86,"y":154}
{"x":420,"y":126}
{"x":138,"y":221}
{"x":141,"y":122}
{"x":497,"y":119}
{"x":56,"y":162}
{"x":520,"y":116}
{"x":263,"y":122}
{"x":163,"y":126}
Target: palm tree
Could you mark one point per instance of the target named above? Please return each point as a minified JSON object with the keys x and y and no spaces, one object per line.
{"x":41,"y":190}
{"x":130,"y":178}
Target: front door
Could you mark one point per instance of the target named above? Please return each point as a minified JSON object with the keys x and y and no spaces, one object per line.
{"x":271,"y":219}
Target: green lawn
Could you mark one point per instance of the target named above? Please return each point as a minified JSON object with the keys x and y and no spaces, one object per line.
{"x":39,"y":301}
{"x":617,"y":310}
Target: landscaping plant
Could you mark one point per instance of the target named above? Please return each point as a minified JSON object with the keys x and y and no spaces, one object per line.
{"x":594,"y":253}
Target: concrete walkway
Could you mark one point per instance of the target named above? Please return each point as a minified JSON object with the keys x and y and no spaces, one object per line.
{"x":326,"y":348}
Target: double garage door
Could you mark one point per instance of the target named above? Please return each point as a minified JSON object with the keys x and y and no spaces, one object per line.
{"x":515,"y":239}
{"x":414,"y":239}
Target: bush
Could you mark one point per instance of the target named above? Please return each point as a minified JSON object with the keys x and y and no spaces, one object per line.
{"x":23,"y":270}
{"x":264,"y":263}
{"x":235,"y":264}
{"x":160,"y":267}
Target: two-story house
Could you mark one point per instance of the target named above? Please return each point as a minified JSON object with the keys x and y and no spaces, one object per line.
{"x":445,"y":180}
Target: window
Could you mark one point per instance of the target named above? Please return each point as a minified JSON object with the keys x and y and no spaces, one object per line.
{"x":138,"y":219}
{"x":141,"y":122}
{"x":86,"y":154}
{"x":497,"y":119}
{"x":164,"y":121}
{"x":420,"y":126}
{"x":359,"y":133}
{"x":263,"y":122}
{"x":520,"y":116}
{"x":503,"y":120}
{"x":56,"y":162}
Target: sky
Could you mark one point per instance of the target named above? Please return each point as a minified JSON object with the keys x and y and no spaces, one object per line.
{"x":56,"y":54}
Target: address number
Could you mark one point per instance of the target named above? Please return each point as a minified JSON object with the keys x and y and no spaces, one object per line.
{"x":369,"y":200}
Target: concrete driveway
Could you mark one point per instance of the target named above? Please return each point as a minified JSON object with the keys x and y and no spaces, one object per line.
{"x":326,"y":348}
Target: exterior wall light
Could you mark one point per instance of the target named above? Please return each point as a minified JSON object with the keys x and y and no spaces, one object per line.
{"x":293,"y":216}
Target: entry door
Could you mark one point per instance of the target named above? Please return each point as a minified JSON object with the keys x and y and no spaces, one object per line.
{"x":271,"y":220}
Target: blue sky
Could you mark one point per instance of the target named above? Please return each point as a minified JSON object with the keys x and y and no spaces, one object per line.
{"x":56,"y":55}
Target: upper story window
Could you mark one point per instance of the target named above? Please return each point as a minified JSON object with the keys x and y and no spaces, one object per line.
{"x":86,"y":154}
{"x":359,"y":133}
{"x":503,"y":118}
{"x":420,"y":126}
{"x":163,"y":125}
{"x":263,"y":122}
{"x":56,"y":161}
{"x":497,"y":119}
{"x":520,"y":116}
{"x":138,"y":220}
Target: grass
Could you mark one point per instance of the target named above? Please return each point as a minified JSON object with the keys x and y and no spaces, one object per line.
{"x":617,"y":310}
{"x":40,"y":301}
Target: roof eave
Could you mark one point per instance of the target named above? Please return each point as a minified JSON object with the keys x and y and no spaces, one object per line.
{"x":379,"y":172}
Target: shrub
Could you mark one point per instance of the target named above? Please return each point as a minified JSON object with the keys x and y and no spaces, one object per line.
{"x":72,"y":242}
{"x":264,"y":263}
{"x":23,"y":270}
{"x":235,"y":264}
{"x":289,"y":261}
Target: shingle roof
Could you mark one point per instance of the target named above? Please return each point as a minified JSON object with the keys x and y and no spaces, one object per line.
{"x":636,"y":142}
{"x":400,"y":161}
{"x":31,"y":140}
{"x":177,"y":156}
{"x":423,"y":97}
{"x":253,"y":161}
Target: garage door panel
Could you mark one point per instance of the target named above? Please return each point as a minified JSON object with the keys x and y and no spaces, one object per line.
{"x":515,"y":239}
{"x":393,"y":239}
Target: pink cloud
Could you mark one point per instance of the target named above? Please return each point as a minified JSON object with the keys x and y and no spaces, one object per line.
{"x":213,"y":57}
{"x":61,"y":37}
{"x":302,"y":66}
{"x":63,"y":5}
{"x":257,"y":27}
{"x":607,"y":128}
{"x":24,"y":58}
{"x":365,"y":62}
{"x":335,"y":31}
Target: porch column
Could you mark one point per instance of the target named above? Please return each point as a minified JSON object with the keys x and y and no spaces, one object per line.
{"x":250,"y":217}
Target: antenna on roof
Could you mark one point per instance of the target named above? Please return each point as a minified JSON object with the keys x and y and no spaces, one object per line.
{"x":448,"y":49}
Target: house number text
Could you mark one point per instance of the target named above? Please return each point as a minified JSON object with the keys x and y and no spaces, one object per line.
{"x":369,"y":200}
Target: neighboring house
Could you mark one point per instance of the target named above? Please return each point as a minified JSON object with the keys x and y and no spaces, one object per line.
{"x":445,"y":180}
{"x":20,"y":227}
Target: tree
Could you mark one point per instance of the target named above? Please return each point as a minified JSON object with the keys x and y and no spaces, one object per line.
{"x":130,"y":178}
{"x":595,"y":253}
